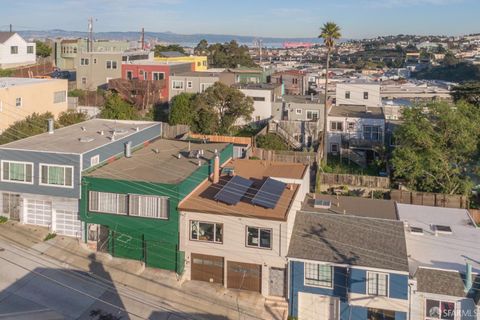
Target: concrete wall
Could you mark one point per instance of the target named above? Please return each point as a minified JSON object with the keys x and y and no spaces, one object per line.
{"x":22,"y":58}
{"x":357,"y":94}
{"x":95,"y":74}
{"x":36,"y":96}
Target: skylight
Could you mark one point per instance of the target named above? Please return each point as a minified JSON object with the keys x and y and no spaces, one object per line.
{"x":416,"y":230}
{"x":442,"y":229}
{"x":322,"y":204}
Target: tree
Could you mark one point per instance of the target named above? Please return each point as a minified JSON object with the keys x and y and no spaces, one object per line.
{"x":68,"y":118}
{"x":43,"y":50}
{"x":226,"y":55}
{"x":202,"y":48}
{"x":219,"y":107}
{"x":469,"y":92}
{"x":32,"y":125}
{"x":330,"y":32}
{"x":437,"y":143}
{"x":171,"y":47}
{"x":181,"y":109}
{"x":6,"y":72}
{"x":460,"y":72}
{"x":116,"y":108}
{"x":450,"y":59}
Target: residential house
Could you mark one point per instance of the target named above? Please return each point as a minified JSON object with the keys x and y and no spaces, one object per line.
{"x":246,"y":75}
{"x":294,"y":82}
{"x":200,"y":63}
{"x":193,"y":82}
{"x":358,"y":93}
{"x":356,"y":132}
{"x":348,"y":260}
{"x":263,"y":95}
{"x":129,"y":206}
{"x":235,"y":229}
{"x":41,"y":175}
{"x":443,"y":262}
{"x":15,"y":51}
{"x":20,"y":97}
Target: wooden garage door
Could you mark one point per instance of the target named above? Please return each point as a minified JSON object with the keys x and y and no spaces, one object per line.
{"x":244,"y":276}
{"x":207,"y":268}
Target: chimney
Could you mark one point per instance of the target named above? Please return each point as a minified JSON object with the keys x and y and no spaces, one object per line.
{"x":468,"y":277}
{"x":128,"y":149}
{"x":216,"y":169}
{"x":51,"y":128}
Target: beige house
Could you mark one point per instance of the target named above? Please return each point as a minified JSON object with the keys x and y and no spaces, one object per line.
{"x":20,"y":97}
{"x":95,"y":69}
{"x":242,"y":243}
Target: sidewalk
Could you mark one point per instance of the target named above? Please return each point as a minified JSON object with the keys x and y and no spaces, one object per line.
{"x":130,"y":276}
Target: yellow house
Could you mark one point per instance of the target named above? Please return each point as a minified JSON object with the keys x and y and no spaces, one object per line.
{"x":20,"y":97}
{"x":200,"y":62}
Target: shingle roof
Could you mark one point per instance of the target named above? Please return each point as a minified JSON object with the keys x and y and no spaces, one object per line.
{"x":4,"y":36}
{"x":349,"y":240}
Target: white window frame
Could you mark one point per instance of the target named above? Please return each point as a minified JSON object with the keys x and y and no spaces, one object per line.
{"x":17,"y":162}
{"x":214,"y":231}
{"x":84,"y":80}
{"x":116,"y":195}
{"x":332,"y":271}
{"x":312,"y":112}
{"x":348,"y":95}
{"x":18,"y":102}
{"x":95,"y":160}
{"x":178,"y":82}
{"x":32,"y":49}
{"x":84,"y":61}
{"x":387,"y":282}
{"x":189,"y":84}
{"x":298,"y":111}
{"x":336,"y":126}
{"x":337,"y":146}
{"x":158,"y":199}
{"x":40,"y":165}
{"x":366,"y":95}
{"x":427,"y":317}
{"x":157,"y":73}
{"x":258,"y":246}
{"x":12,"y":51}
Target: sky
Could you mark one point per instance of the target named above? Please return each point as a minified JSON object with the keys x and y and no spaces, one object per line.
{"x":261,"y":18}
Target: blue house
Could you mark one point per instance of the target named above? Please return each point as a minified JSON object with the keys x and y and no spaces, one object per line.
{"x":40,"y":176}
{"x":345,"y":264}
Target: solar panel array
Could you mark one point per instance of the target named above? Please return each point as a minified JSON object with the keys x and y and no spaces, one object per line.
{"x":269,"y":193}
{"x":234,"y":190}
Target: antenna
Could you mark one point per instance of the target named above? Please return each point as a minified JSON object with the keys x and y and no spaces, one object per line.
{"x":11,"y":28}
{"x":143,"y":38}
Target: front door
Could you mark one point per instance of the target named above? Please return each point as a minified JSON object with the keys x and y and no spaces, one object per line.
{"x":11,"y":205}
{"x":277,"y":282}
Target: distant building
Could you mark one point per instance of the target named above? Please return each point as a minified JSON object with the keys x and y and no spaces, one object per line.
{"x":359,"y":93}
{"x":196,"y":82}
{"x":20,"y":97}
{"x":15,"y":51}
{"x":200,"y":62}
{"x":246,"y":75}
{"x":294,"y":82}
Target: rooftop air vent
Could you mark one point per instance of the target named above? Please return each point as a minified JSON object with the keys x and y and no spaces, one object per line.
{"x":416,"y":230}
{"x":120,"y":131}
{"x":86,"y":139}
{"x":322,"y":204}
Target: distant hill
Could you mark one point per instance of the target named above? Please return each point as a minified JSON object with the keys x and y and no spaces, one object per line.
{"x":170,"y":37}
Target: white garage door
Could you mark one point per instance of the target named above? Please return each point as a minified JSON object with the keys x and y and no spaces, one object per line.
{"x":38,"y":212}
{"x":316,"y":307}
{"x":67,"y":223}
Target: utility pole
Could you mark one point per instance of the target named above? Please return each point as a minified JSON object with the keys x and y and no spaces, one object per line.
{"x":90,"y":35}
{"x":143,"y":38}
{"x":11,"y":28}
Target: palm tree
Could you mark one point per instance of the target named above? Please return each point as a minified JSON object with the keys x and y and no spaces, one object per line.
{"x":329,"y":33}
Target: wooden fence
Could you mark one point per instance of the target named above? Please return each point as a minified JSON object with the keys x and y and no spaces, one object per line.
{"x":333,"y":179}
{"x":475,"y":213}
{"x":216,"y":138}
{"x":283,"y":156}
{"x":430,"y":199}
{"x":172,"y":132}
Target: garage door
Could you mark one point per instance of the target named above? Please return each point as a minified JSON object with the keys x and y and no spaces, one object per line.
{"x":207,"y":268}
{"x":244,"y":276}
{"x":67,"y":223}
{"x":317,"y":307}
{"x":38,"y":212}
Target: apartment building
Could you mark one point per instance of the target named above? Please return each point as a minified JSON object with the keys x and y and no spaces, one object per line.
{"x":15,"y":51}
{"x":294,"y":82}
{"x":358,"y":93}
{"x":263,"y":95}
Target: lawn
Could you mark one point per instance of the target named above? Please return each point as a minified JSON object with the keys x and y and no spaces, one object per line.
{"x":344,"y":167}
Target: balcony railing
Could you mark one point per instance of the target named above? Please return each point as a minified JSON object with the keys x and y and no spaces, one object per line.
{"x":362,"y":140}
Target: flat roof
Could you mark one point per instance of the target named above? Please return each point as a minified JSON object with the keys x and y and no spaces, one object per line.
{"x":356,"y":111}
{"x":256,"y":86}
{"x":349,"y":240}
{"x":147,"y":164}
{"x":152,"y":63}
{"x":440,"y":250}
{"x":74,"y":138}
{"x":355,"y":206}
{"x":317,"y":99}
{"x":202,"y":200}
{"x":202,"y":74}
{"x":6,"y":82}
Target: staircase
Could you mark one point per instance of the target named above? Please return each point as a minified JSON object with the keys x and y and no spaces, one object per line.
{"x":277,"y":307}
{"x":274,"y":127}
{"x":357,"y":156}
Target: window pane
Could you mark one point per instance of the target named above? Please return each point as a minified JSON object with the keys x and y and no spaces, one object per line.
{"x":318,"y":275}
{"x":122,"y":203}
{"x":29,"y":173}
{"x":44,"y":174}
{"x":206,"y":231}
{"x":265,"y":238}
{"x":218,"y":232}
{"x":194,"y":230}
{"x":6,"y":171}
{"x":56,"y":175}
{"x":68,"y":177}
{"x":432,"y":309}
{"x":93,"y":201}
{"x":448,"y":310}
{"x":252,"y":236}
{"x":17,"y":172}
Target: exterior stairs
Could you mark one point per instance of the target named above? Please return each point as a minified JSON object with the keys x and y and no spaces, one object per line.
{"x":277,"y":307}
{"x":274,"y":127}
{"x":357,"y":156}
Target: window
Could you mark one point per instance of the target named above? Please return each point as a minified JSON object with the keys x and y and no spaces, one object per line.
{"x":336,"y":126}
{"x":312,"y":115}
{"x":14,"y":50}
{"x":94,"y":160}
{"x":205,"y":86}
{"x":18,"y":102}
{"x":334,"y":148}
{"x":199,"y":64}
{"x":347,"y":94}
{"x":259,"y":237}
{"x":258,"y":98}
{"x":189,"y":84}
{"x":204,"y":63}
{"x":59,"y":96}
{"x":108,"y":202}
{"x":21,"y":172}
{"x":158,"y":76}
{"x":294,"y":81}
{"x":30,"y":49}
{"x":373,"y":314}
{"x":148,"y":206}
{"x":178,"y":85}
{"x":111,"y":64}
{"x":436,"y":309}
{"x":351,"y":126}
{"x":84,"y":80}
{"x":206,"y":231}
{"x":371,"y":133}
{"x":365,"y":95}
{"x":298,"y":111}
{"x":377,"y":284}
{"x":319,"y":275}
{"x":54,"y":175}
{"x":129,"y":75}
{"x":84,"y":61}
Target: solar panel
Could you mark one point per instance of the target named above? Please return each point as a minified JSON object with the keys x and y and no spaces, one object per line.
{"x":234,"y":190}
{"x":269,"y":193}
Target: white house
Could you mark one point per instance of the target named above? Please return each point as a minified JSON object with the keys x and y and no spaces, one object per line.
{"x":15,"y":51}
{"x":358,"y":93}
{"x":263,"y":95}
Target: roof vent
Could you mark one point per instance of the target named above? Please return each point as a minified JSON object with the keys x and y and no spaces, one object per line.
{"x":51,"y":127}
{"x":322,"y":204}
{"x":84,"y":129}
{"x":101,"y":133}
{"x":86,"y":139}
{"x":120,"y":131}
